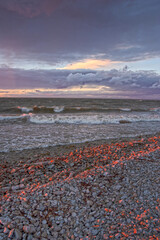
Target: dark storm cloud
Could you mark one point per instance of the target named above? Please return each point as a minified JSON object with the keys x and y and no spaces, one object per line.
{"x":66,"y":30}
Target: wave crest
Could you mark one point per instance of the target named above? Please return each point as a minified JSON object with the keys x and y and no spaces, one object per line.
{"x":74,"y":109}
{"x":90,"y":119}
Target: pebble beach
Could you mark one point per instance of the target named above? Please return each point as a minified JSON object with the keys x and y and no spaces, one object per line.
{"x":95,"y":190}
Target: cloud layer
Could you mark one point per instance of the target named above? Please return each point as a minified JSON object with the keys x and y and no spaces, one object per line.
{"x":117,"y":83}
{"x":65,"y":30}
{"x":80,"y":34}
{"x":31,"y":8}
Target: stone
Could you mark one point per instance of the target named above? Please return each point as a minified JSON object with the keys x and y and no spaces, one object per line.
{"x":6,"y":230}
{"x":44,"y":221}
{"x":29,"y":229}
{"x":124,"y":121}
{"x":44,"y":234}
{"x":18,"y":234}
{"x":55,"y":235}
{"x":117,"y":187}
{"x":5,"y":221}
{"x":82,"y":206}
{"x":54,"y":203}
{"x":11,"y":234}
{"x":30,"y":237}
{"x":74,"y":214}
{"x":37,"y":234}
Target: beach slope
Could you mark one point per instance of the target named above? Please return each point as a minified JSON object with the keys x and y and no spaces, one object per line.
{"x":100,"y":190}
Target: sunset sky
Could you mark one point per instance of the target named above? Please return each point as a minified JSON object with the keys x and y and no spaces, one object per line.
{"x":80,"y":48}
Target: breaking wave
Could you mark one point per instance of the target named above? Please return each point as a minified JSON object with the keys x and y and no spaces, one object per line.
{"x":25,"y":109}
{"x":81,"y":118}
{"x":155,"y":109}
{"x":13,"y":117}
{"x":90,"y":119}
{"x":70,"y":109}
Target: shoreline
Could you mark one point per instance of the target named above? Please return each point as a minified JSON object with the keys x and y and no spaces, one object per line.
{"x":61,"y":149}
{"x":102,"y":190}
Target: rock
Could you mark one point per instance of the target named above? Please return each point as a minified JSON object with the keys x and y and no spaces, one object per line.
{"x":57,"y":228}
{"x":44,"y":221}
{"x":5,"y":221}
{"x":89,"y":202}
{"x":30,"y":237}
{"x":58,"y":192}
{"x":18,"y":234}
{"x":29,"y":229}
{"x":37,"y":234}
{"x":94,"y":232}
{"x":117,"y":187}
{"x":124,"y":121}
{"x":117,"y":236}
{"x":6,"y":230}
{"x":97,"y":206}
{"x":44,"y":234}
{"x":17,"y":187}
{"x":55,"y":235}
{"x":74,"y":214}
{"x":11,"y":234}
{"x":54,"y":203}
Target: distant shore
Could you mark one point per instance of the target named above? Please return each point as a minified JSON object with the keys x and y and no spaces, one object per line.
{"x":95,"y":190}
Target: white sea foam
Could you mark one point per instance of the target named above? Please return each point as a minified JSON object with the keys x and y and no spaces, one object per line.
{"x":13,"y":117}
{"x":155,"y":109}
{"x":45,"y":122}
{"x":91,"y":119}
{"x":71,"y":109}
{"x":71,"y":119}
{"x":58,"y":109}
{"x":25,"y":109}
{"x":82,"y":118}
{"x":125,"y":109}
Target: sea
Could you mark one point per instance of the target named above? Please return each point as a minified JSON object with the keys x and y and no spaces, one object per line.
{"x":28,"y":123}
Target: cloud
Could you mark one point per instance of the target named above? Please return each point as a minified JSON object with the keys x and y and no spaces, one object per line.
{"x":118,"y":79}
{"x":123,"y":30}
{"x":113,"y":83}
{"x":156,"y":85}
{"x":31,"y":8}
{"x":90,"y":64}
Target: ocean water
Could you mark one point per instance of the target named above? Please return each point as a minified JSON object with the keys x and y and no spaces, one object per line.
{"x":33,"y":123}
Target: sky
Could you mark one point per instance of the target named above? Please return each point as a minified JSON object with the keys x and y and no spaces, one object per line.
{"x":80,"y":48}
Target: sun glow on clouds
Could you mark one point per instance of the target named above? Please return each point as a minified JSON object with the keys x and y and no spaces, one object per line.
{"x":88,"y":89}
{"x":91,"y":64}
{"x":85,"y":89}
